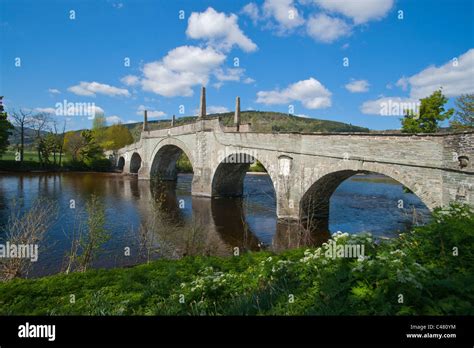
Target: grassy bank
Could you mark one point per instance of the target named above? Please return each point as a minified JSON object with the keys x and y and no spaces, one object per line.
{"x":429,"y":271}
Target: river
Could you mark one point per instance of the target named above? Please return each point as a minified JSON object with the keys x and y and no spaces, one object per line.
{"x":174,"y":223}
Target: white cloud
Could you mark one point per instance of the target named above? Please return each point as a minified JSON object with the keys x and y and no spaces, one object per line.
{"x":46,"y":110}
{"x":97,"y":110}
{"x":249,"y":80}
{"x":72,"y":109}
{"x":361,"y":11}
{"x":455,"y":77}
{"x":252,"y":11}
{"x":214,"y":109}
{"x":389,"y":106}
{"x":229,"y":74}
{"x":284,"y":12}
{"x":90,"y":89}
{"x":357,"y":86}
{"x":180,"y":70}
{"x":114,"y":119}
{"x":54,"y":91}
{"x":218,"y":85}
{"x":130,"y":80}
{"x":327,"y":29}
{"x":219,"y":30}
{"x":311,"y":93}
{"x":403,"y":83}
{"x":151,"y":112}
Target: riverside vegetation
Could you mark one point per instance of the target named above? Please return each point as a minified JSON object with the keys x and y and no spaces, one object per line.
{"x":427,"y":271}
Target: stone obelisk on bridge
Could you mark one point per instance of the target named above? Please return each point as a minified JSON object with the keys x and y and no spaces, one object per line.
{"x":202,"y":106}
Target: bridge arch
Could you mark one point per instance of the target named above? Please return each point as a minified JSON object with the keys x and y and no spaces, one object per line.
{"x":135,"y":163}
{"x":164,"y":158}
{"x":315,"y":202}
{"x":229,"y":174}
{"x":121,"y":163}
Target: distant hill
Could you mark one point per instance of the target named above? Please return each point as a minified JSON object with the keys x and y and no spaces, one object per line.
{"x":30,"y":135}
{"x":262,"y":121}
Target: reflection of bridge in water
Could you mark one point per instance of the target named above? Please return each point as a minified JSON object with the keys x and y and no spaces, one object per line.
{"x":305,"y":169}
{"x":219,"y":224}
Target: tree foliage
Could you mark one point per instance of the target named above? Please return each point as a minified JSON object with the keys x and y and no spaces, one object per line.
{"x":116,"y":137}
{"x":5,"y":130}
{"x":431,"y":112}
{"x":464,"y":117}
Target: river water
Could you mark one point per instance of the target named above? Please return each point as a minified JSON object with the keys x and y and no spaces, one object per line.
{"x":147,"y":220}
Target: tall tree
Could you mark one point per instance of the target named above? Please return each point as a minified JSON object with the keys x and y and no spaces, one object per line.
{"x":98,"y":128}
{"x":41,"y":124}
{"x":5,"y":129}
{"x":73,"y":143}
{"x":431,"y":112}
{"x":464,"y":117}
{"x":117,"y":136}
{"x":91,"y":148}
{"x":21,"y":120}
{"x":60,"y":140}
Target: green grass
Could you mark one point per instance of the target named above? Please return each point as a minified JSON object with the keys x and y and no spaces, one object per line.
{"x":421,"y":266}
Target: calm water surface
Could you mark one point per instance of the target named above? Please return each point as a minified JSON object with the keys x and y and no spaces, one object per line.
{"x":183,"y":224}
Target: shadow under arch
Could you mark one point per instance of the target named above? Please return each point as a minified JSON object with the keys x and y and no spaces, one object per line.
{"x":121,"y":163}
{"x":315,"y":203}
{"x":228,"y":177}
{"x":135,"y":163}
{"x":228,"y":216}
{"x":165,"y":157}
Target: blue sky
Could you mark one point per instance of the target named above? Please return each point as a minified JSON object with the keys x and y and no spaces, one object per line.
{"x":290,"y":54}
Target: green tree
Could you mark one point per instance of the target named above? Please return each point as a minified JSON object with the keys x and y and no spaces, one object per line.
{"x":48,"y":145}
{"x":5,"y":129}
{"x":431,"y":112}
{"x":73,"y":143}
{"x":90,"y":149}
{"x":98,"y":128}
{"x":116,"y":137}
{"x":464,"y":117}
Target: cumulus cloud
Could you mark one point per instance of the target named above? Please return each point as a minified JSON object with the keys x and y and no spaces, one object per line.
{"x":151,"y":112}
{"x":72,"y":109}
{"x":284,"y":13}
{"x":455,"y":77}
{"x":180,"y":70}
{"x":390,"y":106}
{"x":360,"y":11}
{"x":327,"y":29}
{"x":46,"y":110}
{"x":90,"y":89}
{"x":252,"y":11}
{"x":214,"y":109}
{"x":229,"y":74}
{"x":311,"y":93}
{"x":249,"y":80}
{"x":130,"y":80}
{"x":54,"y":91}
{"x":114,"y":119}
{"x":219,"y":30}
{"x":358,"y":86}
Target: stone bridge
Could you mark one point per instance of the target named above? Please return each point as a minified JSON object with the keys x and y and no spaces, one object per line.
{"x":305,"y":168}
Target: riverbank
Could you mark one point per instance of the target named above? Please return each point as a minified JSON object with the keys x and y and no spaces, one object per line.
{"x":425,"y":272}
